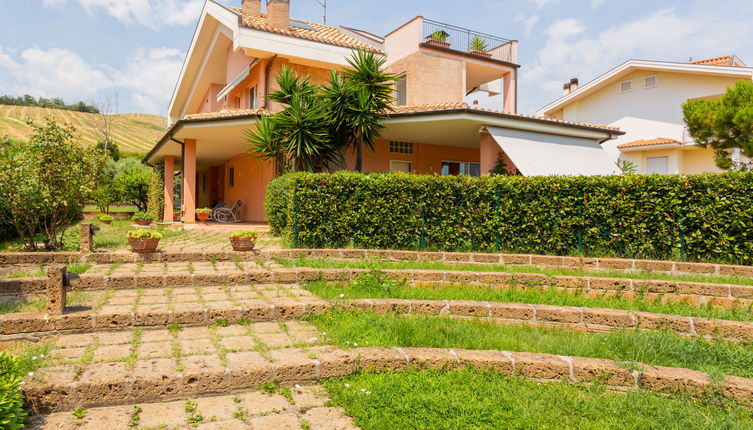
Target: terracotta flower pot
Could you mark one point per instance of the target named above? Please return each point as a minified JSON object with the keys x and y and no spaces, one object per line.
{"x":482,"y":53}
{"x":143,"y":246}
{"x":242,"y":243}
{"x":438,"y":43}
{"x":143,"y":221}
{"x":202,"y":216}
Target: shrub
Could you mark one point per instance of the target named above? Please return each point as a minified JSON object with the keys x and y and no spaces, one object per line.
{"x":276,"y":203}
{"x":248,"y":234}
{"x":133,"y":187}
{"x":105,"y":217}
{"x":142,"y":216}
{"x":156,"y":193}
{"x":635,"y":215}
{"x":12,"y":414}
{"x":143,"y":234}
{"x":45,"y":181}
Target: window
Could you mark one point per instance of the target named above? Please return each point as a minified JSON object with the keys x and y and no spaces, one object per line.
{"x":401,"y":166}
{"x":237,"y":102}
{"x":252,"y":98}
{"x":626,"y":86}
{"x":231,"y":177}
{"x":658,"y":165}
{"x":401,"y":147}
{"x":401,"y":90}
{"x":474,"y":169}
{"x":454,"y":168}
{"x":649,"y":81}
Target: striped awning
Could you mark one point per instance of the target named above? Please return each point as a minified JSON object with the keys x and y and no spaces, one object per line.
{"x":543,"y":154}
{"x":235,"y":82}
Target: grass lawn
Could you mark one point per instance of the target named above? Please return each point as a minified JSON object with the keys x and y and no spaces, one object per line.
{"x":38,"y":304}
{"x":322,"y":263}
{"x":626,"y":346}
{"x":472,"y":399}
{"x":372,"y":286}
{"x":113,"y":208}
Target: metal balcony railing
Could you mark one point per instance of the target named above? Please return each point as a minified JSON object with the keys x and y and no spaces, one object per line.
{"x":461,"y":39}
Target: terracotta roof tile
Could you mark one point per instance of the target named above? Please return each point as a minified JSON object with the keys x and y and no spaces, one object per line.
{"x":227,"y":113}
{"x":727,"y":60}
{"x":649,"y":142}
{"x":321,"y":33}
{"x":464,"y":106}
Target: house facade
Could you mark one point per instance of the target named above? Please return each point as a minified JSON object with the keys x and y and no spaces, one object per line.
{"x":644,"y":99}
{"x":236,"y":54}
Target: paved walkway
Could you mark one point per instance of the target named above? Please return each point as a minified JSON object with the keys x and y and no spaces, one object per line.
{"x":304,"y":407}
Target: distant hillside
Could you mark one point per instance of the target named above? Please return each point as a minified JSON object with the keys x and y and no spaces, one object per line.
{"x":132,"y":132}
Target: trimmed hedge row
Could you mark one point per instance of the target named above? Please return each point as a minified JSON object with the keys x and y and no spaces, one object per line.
{"x":704,"y":217}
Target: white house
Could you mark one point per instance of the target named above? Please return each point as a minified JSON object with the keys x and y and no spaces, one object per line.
{"x":644,"y":99}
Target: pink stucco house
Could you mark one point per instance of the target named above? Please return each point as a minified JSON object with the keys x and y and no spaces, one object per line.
{"x":236,"y":54}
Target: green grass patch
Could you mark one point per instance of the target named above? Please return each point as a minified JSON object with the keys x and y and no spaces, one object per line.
{"x":348,"y":329}
{"x":23,"y":305}
{"x":471,"y":399}
{"x":375,"y":264}
{"x":375,"y":286}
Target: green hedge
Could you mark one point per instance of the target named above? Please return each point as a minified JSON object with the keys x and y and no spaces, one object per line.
{"x":709,"y":217}
{"x":12,"y":414}
{"x":156,"y":193}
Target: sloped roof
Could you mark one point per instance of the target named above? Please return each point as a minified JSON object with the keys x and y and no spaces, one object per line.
{"x":320,"y":33}
{"x":225,"y":114}
{"x":727,"y":60}
{"x":649,"y":142}
{"x":439,"y":107}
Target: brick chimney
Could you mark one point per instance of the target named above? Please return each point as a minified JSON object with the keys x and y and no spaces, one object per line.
{"x":251,"y":7}
{"x":278,"y":14}
{"x":574,"y":84}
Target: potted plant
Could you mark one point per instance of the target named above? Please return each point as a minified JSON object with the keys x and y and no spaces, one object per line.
{"x":203,"y":214}
{"x":105,"y":218}
{"x":478,"y":46}
{"x":243,"y":240}
{"x":143,"y":241}
{"x":439,"y":38}
{"x":142,"y":218}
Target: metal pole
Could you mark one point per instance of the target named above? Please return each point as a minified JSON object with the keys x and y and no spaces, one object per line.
{"x":295,"y":219}
{"x":422,"y":243}
{"x":499,"y":216}
{"x":580,"y":223}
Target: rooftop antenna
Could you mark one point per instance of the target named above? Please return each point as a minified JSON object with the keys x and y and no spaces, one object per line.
{"x":323,"y":3}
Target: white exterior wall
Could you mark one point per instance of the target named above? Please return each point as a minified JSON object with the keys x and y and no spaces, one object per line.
{"x":645,"y":113}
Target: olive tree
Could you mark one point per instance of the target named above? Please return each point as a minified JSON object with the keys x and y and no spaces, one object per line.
{"x":45,"y":181}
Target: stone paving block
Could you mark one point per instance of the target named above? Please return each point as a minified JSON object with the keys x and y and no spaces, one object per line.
{"x":540,"y":366}
{"x":381,"y":359}
{"x":727,"y":329}
{"x":430,"y":358}
{"x":75,"y":340}
{"x":248,"y":369}
{"x":293,"y":365}
{"x":611,"y":284}
{"x":266,"y":327}
{"x":560,"y":314}
{"x":429,"y":307}
{"x":238,"y":343}
{"x":336,"y":362}
{"x":514,"y":311}
{"x":469,"y":308}
{"x":232,"y":330}
{"x":738,"y":388}
{"x":68,"y":354}
{"x":328,"y":418}
{"x":203,"y":373}
{"x":188,"y":313}
{"x":50,"y":389}
{"x":608,"y":317}
{"x":114,"y":319}
{"x":25,"y":323}
{"x":670,"y":379}
{"x":74,"y":321}
{"x":153,"y":379}
{"x":121,"y":281}
{"x":703,"y":289}
{"x":262,"y":403}
{"x":155,"y":350}
{"x":605,"y":372}
{"x":102,"y":383}
{"x":284,"y":421}
{"x":663,"y":322}
{"x":112,"y":352}
{"x":484,"y":360}
{"x":162,"y":414}
{"x":309,"y":396}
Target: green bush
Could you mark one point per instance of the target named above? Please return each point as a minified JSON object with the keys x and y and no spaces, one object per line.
{"x":633,"y":216}
{"x":12,"y":414}
{"x":143,"y":234}
{"x":276,"y":203}
{"x":105,"y":217}
{"x":142,"y":216}
{"x":156,"y":193}
{"x":248,"y":234}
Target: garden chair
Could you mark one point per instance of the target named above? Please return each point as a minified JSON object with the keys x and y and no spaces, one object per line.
{"x":226,"y":215}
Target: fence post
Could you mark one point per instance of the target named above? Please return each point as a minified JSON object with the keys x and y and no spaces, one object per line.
{"x":580,"y":223}
{"x":422,"y":243}
{"x":499,"y":216}
{"x":295,"y":217}
{"x":681,"y":222}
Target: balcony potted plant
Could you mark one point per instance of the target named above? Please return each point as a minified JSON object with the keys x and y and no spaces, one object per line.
{"x":439,"y":38}
{"x":105,"y":218}
{"x":143,"y":241}
{"x":142,"y":218}
{"x":203,"y":214}
{"x":243,"y":240}
{"x":478,"y":46}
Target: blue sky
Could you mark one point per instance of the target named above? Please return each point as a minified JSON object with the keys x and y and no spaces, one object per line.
{"x":92,"y":49}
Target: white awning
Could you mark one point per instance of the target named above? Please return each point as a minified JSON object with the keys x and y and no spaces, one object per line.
{"x":542,"y":154}
{"x":237,"y":80}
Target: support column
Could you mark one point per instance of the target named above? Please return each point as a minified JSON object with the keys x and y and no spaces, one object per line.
{"x":56,"y":290}
{"x":511,"y":92}
{"x":489,"y":153}
{"x":189,"y":181}
{"x":169,"y":188}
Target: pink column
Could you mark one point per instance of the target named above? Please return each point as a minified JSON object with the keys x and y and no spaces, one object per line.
{"x":510,"y":92}
{"x":489,"y":153}
{"x":189,"y":181}
{"x":169,"y":187}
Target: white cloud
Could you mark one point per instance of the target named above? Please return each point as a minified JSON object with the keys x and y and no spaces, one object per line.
{"x":149,"y":13}
{"x":542,"y":3}
{"x":529,"y":23}
{"x":596,"y":3}
{"x":149,"y":76}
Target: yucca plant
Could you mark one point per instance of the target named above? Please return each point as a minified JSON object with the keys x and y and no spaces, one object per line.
{"x":439,"y":36}
{"x":478,"y":44}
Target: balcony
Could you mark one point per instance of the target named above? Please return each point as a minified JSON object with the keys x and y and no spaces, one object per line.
{"x":449,"y":37}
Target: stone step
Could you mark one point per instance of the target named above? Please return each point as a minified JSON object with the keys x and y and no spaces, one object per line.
{"x":300,"y":407}
{"x":112,"y":383}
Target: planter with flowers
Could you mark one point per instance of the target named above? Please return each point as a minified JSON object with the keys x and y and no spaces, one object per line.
{"x":203,"y":214}
{"x":143,"y":241}
{"x":105,"y":218}
{"x":244,"y":240}
{"x":142,"y":218}
{"x":478,"y":46}
{"x":439,"y":38}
